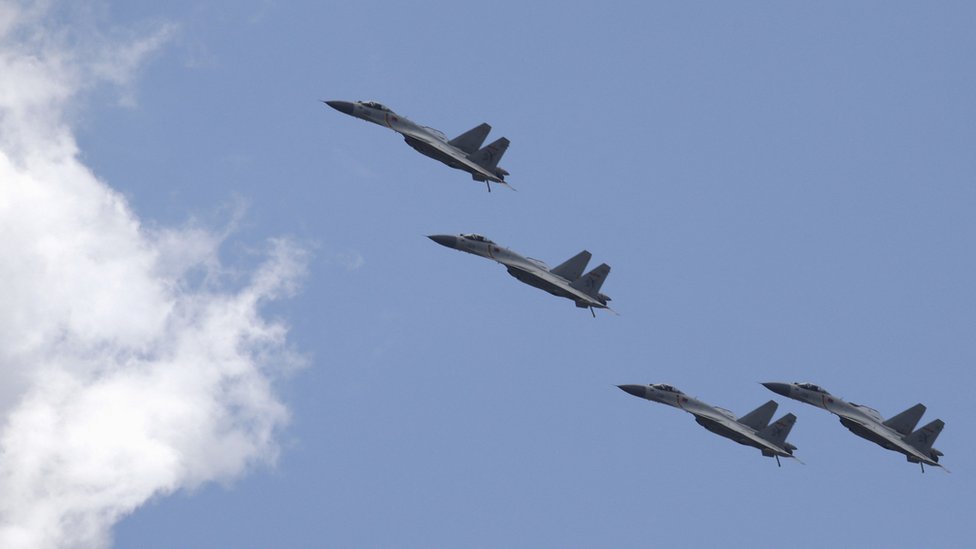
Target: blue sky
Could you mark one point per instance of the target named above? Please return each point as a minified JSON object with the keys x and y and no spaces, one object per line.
{"x":784,"y":192}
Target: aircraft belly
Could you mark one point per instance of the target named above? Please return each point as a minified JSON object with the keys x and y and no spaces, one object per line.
{"x":537,"y":282}
{"x":721,"y":430}
{"x":867,"y":434}
{"x":431,"y":152}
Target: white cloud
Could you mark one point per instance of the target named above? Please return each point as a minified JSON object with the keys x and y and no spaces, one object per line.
{"x":120,"y":378}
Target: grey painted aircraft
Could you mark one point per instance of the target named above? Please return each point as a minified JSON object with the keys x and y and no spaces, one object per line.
{"x":464,"y":152}
{"x":566,"y":280}
{"x":897,"y":433}
{"x":752,"y":429}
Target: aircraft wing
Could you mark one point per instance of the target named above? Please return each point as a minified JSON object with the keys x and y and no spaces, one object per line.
{"x":454,"y":153}
{"x":892,"y":438}
{"x":558,"y":281}
{"x":717,"y":417}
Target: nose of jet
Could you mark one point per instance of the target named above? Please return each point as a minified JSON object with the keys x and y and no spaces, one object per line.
{"x":636,"y":390}
{"x":341,"y":106}
{"x":444,"y":240}
{"x":778,"y":388}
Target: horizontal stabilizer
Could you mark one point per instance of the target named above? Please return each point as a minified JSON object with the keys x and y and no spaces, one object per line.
{"x":591,"y":282}
{"x":906,"y":421}
{"x":572,"y":268}
{"x":471,"y":140}
{"x":489,"y":156}
{"x":778,"y":431}
{"x":759,"y":418}
{"x":924,"y":438}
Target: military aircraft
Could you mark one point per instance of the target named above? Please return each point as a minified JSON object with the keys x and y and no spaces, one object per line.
{"x":464,"y":152}
{"x":897,"y":433}
{"x":566,"y":280}
{"x":752,"y":429}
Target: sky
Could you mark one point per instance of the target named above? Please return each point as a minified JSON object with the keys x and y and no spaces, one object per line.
{"x":223,"y":325}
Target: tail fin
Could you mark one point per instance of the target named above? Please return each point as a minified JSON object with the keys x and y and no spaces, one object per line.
{"x":572,"y":268}
{"x":759,"y":418}
{"x":591,"y":282}
{"x":906,"y":421}
{"x":489,"y":156}
{"x":924,"y":438}
{"x":471,"y":140}
{"x":778,"y":431}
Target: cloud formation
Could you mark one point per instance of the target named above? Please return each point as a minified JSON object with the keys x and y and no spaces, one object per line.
{"x":120,"y":377}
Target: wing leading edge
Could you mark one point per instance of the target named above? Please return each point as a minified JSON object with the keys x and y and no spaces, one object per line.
{"x":455,"y":154}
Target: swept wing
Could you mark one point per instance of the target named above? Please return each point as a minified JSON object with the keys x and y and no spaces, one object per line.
{"x":455,"y":154}
{"x":891,"y":438}
{"x":733,"y":425}
{"x":555,"y":280}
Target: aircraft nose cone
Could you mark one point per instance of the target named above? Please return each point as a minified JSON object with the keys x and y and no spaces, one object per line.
{"x":444,"y":240}
{"x":778,"y":388}
{"x":636,"y":390}
{"x":341,"y":106}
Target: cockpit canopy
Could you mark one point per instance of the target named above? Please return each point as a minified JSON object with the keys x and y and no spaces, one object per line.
{"x":667,"y":388}
{"x":812,"y":387}
{"x":376,"y":105}
{"x":477,"y":237}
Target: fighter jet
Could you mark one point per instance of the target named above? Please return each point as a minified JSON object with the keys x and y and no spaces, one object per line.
{"x":752,"y":429}
{"x":464,"y":152}
{"x":897,"y":433}
{"x":566,"y":280}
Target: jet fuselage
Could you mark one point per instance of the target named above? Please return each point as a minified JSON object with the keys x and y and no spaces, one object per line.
{"x":525,"y":269}
{"x":418,"y":137}
{"x":864,"y":422}
{"x":712,"y":418}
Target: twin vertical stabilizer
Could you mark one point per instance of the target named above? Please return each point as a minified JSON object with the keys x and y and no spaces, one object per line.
{"x":489,"y":156}
{"x":572,"y":268}
{"x":924,"y":438}
{"x":778,"y":431}
{"x":591,"y":282}
{"x":759,"y":418}
{"x":471,"y":140}
{"x":906,"y":421}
